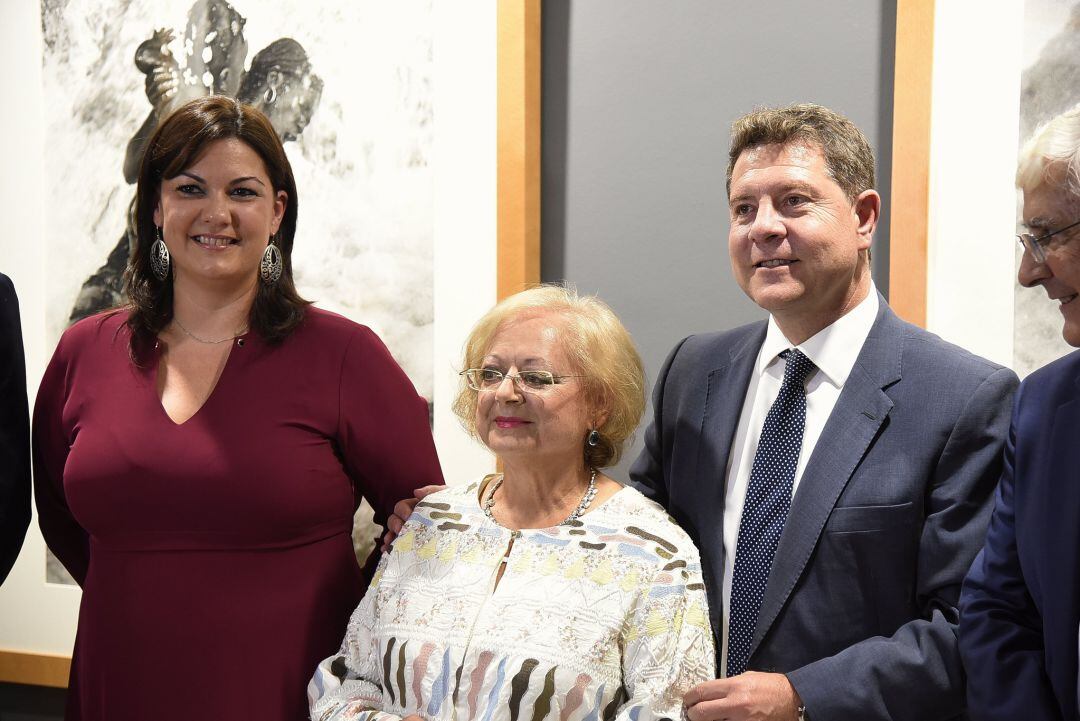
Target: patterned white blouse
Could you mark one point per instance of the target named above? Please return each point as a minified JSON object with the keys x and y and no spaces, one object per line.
{"x":600,"y":619}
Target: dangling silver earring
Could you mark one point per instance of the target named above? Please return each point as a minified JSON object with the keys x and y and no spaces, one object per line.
{"x":271,"y":266}
{"x":159,"y":258}
{"x":593,"y":438}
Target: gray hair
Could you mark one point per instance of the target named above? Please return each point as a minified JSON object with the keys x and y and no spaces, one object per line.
{"x":1053,"y":147}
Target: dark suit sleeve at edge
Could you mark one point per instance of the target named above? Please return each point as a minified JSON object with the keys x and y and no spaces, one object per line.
{"x":647,"y":471}
{"x":916,"y":673}
{"x":1001,"y":632}
{"x":14,"y":432}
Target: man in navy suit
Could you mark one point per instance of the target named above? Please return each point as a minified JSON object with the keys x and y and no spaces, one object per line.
{"x":1020,"y":608}
{"x":14,"y":432}
{"x":834,"y":464}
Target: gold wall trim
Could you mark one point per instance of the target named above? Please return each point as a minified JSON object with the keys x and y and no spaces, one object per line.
{"x":34,"y":669}
{"x":519,"y":145}
{"x":909,"y":229}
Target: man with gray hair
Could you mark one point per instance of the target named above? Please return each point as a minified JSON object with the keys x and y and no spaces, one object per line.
{"x":1020,"y":607}
{"x":834,"y":464}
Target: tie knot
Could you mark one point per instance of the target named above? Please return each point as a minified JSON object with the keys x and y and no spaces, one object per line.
{"x":797,"y":366}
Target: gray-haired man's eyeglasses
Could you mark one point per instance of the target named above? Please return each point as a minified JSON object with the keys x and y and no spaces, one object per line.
{"x":1037,"y":246}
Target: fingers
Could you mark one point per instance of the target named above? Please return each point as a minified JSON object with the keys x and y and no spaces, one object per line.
{"x":714,"y":710}
{"x":393,"y":528}
{"x":751,"y":695}
{"x":396,"y":521}
{"x":402,"y":510}
{"x":387,"y":539}
{"x":709,"y":701}
{"x":707,"y":691}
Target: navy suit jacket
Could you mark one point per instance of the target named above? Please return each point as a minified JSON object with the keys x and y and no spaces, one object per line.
{"x":14,"y":432}
{"x":860,"y":606}
{"x":1020,"y":609}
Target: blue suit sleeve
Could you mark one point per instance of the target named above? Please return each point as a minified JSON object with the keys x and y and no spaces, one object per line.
{"x":876,"y":678}
{"x":1001,"y":634}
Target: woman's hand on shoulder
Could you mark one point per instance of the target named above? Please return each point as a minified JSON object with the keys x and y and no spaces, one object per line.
{"x":402,"y":510}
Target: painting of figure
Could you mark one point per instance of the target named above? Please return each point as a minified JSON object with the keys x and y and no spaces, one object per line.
{"x":347,"y":86}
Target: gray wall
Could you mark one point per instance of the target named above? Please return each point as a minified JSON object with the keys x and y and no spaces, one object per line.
{"x":638,"y":97}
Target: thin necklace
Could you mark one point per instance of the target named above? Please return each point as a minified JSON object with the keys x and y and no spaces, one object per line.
{"x":586,"y":500}
{"x":203,"y":340}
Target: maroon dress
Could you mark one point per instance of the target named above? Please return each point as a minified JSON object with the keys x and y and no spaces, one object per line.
{"x":215,"y":555}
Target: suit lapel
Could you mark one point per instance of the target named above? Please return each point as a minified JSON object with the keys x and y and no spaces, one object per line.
{"x":726,"y":389}
{"x":726,"y":392}
{"x":853,"y":424}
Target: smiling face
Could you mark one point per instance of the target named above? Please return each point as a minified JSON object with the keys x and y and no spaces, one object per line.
{"x":217,"y":215}
{"x":546,"y":426}
{"x":796,"y":240}
{"x":1047,"y":208}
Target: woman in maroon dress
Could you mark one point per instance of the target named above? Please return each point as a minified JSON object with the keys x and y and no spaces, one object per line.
{"x":199,"y":454}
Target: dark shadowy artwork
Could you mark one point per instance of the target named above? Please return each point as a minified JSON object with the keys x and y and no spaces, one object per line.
{"x":1050,"y":85}
{"x":347,"y":86}
{"x":280,"y":83}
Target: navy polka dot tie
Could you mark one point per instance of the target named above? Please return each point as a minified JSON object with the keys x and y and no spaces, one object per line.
{"x":768,"y":497}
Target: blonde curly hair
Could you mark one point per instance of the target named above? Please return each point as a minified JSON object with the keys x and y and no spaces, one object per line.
{"x":599,"y":347}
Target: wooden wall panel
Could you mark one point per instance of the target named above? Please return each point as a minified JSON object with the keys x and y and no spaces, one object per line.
{"x":519,"y":145}
{"x":909,"y":230}
{"x":34,"y":669}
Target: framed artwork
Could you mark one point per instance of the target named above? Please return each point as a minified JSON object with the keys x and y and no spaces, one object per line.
{"x":971,"y":87}
{"x":413,"y":131}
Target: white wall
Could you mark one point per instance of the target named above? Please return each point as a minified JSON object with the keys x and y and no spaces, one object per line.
{"x":34,"y":616}
{"x":971,"y":254}
{"x":465,"y":210}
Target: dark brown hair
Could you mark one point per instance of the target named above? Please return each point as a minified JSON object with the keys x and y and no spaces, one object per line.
{"x":848,"y":156}
{"x":175,"y":146}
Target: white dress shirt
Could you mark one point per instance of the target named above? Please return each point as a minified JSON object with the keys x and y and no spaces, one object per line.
{"x":833,"y":350}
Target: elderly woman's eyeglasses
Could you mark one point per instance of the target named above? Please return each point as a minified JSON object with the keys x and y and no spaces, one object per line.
{"x":489,"y":379}
{"x":1037,"y":246}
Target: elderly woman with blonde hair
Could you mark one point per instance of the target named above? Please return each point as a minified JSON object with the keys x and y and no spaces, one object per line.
{"x":545,"y":591}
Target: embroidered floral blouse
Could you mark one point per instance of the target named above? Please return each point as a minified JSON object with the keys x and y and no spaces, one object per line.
{"x":600,"y":619}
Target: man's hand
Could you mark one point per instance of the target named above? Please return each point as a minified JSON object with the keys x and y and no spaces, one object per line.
{"x":750,"y":696}
{"x":402,"y":511}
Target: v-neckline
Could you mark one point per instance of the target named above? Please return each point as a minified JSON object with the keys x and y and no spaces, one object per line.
{"x":158,"y":353}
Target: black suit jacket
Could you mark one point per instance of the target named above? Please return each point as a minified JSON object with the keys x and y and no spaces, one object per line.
{"x":860,"y":606}
{"x":14,"y":431}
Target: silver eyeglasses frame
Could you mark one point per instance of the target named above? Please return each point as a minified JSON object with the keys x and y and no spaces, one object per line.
{"x":536,"y":381}
{"x":1037,"y":246}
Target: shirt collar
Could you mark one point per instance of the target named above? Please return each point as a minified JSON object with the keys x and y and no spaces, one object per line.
{"x":834,"y":349}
